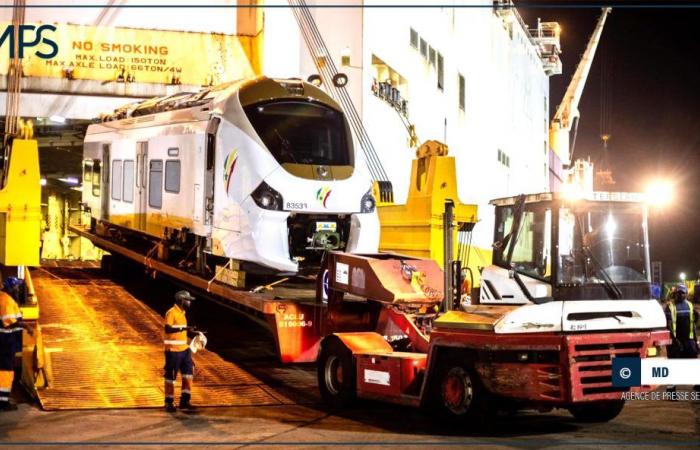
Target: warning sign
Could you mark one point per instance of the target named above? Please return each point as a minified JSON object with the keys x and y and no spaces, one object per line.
{"x":144,"y":56}
{"x":342,"y":273}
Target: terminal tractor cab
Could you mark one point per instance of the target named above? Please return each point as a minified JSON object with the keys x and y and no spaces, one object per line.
{"x":581,"y":264}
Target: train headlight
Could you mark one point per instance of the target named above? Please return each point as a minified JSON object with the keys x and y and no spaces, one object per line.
{"x":368,"y":203}
{"x":267,"y":198}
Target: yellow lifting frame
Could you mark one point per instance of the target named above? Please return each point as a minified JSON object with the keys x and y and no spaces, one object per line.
{"x":20,"y":207}
{"x":416,"y":227}
{"x":20,"y":222}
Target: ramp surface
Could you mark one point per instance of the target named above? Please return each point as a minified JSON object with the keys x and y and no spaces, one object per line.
{"x":106,"y":350}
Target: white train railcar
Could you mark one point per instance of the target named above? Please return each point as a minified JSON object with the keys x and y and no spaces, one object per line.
{"x":261,"y":171}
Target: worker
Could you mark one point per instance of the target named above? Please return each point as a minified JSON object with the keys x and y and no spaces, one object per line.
{"x":178,"y":357}
{"x":10,"y":338}
{"x":681,"y":320}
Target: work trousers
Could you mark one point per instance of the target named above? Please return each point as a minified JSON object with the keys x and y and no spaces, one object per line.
{"x":9,"y":344}
{"x":683,"y":348}
{"x":178,"y":362}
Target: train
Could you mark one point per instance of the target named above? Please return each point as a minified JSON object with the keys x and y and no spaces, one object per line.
{"x":261,"y":171}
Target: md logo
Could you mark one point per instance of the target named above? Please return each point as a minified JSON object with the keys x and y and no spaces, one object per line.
{"x":659,"y":372}
{"x":29,"y":36}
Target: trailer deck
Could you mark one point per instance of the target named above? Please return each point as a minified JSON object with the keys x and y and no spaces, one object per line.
{"x":289,"y":310}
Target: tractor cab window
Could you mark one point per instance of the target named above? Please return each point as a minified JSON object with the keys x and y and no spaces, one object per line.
{"x":599,"y":242}
{"x":297,"y":132}
{"x":527,"y":248}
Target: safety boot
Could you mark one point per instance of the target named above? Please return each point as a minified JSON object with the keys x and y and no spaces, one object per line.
{"x":187,"y":407}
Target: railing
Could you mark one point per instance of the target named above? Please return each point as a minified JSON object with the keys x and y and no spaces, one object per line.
{"x":548,"y":30}
{"x":546,"y":35}
{"x":391,"y":95}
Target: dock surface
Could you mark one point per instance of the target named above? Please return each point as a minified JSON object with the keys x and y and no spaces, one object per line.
{"x":106,"y":350}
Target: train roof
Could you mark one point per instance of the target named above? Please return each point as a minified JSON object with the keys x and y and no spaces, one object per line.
{"x":246,"y":91}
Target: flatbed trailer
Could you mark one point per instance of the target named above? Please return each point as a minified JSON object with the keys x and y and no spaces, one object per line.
{"x":288,"y":309}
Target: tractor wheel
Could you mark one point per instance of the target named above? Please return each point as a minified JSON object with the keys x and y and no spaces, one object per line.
{"x":336,"y":374}
{"x":458,"y":393}
{"x":597,"y":411}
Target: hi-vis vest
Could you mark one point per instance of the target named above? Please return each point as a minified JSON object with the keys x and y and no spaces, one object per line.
{"x":9,"y":314}
{"x":672,"y":307}
{"x":176,"y":342}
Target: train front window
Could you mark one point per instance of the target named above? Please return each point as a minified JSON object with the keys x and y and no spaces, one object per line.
{"x":302,"y":132}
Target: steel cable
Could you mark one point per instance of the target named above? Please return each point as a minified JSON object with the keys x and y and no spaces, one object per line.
{"x":14,"y":78}
{"x":317,"y":47}
{"x":342,"y":94}
{"x":315,"y":42}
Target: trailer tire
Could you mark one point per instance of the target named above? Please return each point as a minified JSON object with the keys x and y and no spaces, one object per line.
{"x":458,"y":393}
{"x":106,"y":263}
{"x":604,"y":411}
{"x":336,"y":374}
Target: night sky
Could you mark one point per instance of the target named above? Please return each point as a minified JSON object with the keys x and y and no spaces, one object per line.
{"x":642,"y":90}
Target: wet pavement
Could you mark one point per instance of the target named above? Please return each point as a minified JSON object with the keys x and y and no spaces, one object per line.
{"x":307,"y":422}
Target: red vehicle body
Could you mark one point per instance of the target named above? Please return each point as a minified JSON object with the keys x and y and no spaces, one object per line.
{"x":377,"y":347}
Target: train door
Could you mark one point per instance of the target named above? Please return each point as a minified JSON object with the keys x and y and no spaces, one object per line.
{"x":104,"y":210}
{"x":212,"y":129}
{"x":141,"y":194}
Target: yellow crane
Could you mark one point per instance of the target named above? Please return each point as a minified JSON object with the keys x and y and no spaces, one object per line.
{"x":567,"y":114}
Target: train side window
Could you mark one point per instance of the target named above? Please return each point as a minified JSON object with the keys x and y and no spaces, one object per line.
{"x":155,"y":184}
{"x":87,"y":170}
{"x":96,"y":178}
{"x":116,"y":179}
{"x":128,"y":193}
{"x":172,"y":176}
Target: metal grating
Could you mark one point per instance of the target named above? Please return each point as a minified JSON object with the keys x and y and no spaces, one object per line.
{"x":106,"y":350}
{"x":591,"y":371}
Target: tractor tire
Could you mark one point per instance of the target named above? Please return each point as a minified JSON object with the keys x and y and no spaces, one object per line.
{"x":458,"y":394}
{"x":593,"y":412}
{"x":336,"y":374}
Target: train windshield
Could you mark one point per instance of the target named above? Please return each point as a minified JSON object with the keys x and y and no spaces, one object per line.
{"x":298,"y":132}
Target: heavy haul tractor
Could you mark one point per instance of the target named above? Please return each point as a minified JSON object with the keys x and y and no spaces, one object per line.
{"x":568,"y":291}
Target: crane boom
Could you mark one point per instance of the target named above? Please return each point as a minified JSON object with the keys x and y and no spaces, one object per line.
{"x":567,"y":112}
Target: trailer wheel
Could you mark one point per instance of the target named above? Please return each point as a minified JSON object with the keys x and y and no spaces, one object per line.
{"x":597,"y":411}
{"x":336,"y":374}
{"x":106,"y":263}
{"x":458,"y":392}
